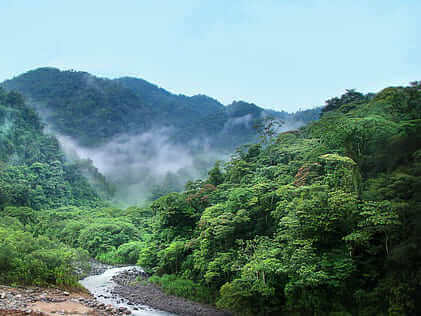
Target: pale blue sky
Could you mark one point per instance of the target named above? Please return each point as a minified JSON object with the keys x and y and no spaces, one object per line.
{"x":277,"y":54}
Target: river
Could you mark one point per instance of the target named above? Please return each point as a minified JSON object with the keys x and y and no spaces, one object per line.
{"x":102,"y":284}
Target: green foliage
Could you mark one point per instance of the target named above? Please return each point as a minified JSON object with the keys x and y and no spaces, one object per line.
{"x":173,"y":212}
{"x":215,"y":175}
{"x":345,"y":102}
{"x":98,"y":238}
{"x":321,"y":221}
{"x":93,"y":110}
{"x":25,"y":259}
{"x":173,"y":285}
{"x":33,"y":171}
{"x":148,"y":258}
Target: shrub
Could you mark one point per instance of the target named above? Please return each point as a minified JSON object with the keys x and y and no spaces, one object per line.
{"x":173,"y":285}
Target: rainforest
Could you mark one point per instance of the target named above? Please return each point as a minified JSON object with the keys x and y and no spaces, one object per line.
{"x":316,"y":212}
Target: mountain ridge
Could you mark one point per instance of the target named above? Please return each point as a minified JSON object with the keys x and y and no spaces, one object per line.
{"x":74,"y":102}
{"x":143,"y":139}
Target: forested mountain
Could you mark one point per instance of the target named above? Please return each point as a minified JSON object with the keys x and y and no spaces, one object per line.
{"x":167,"y":103}
{"x":94,"y":110}
{"x":144,"y":139}
{"x":324,"y":220}
{"x":321,"y":221}
{"x":33,"y":170}
{"x":34,"y":177}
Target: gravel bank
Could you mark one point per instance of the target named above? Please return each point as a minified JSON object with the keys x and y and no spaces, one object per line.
{"x":51,"y":301}
{"x":143,"y":293}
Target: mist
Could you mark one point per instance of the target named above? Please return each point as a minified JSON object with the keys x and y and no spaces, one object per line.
{"x":140,"y":165}
{"x":147,"y":165}
{"x":290,"y":125}
{"x":245,"y":120}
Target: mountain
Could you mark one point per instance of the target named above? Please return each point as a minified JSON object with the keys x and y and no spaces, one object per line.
{"x":90,"y":109}
{"x":33,"y":169}
{"x":325,"y":220}
{"x":143,"y":138}
{"x":93,"y":110}
{"x":153,"y":96}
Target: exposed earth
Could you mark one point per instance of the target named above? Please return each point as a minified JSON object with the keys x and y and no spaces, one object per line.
{"x":144,"y":293}
{"x":51,"y":301}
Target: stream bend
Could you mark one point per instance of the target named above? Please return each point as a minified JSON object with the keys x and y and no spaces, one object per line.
{"x":101,"y":287}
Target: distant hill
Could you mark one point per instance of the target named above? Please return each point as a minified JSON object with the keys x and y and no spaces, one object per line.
{"x":33,"y":170}
{"x":144,"y":139}
{"x":90,"y":109}
{"x":93,"y":110}
{"x":325,"y":220}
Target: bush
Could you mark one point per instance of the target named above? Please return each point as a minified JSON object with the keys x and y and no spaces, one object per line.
{"x":173,"y":285}
{"x":25,"y":259}
{"x":127,"y":253}
{"x":100,"y":238}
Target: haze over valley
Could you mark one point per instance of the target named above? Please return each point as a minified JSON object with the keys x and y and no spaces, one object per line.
{"x":145,"y":140}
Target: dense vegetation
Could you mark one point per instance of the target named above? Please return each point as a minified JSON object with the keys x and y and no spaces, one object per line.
{"x":129,"y":123}
{"x":34,"y":175}
{"x":94,"y":110}
{"x":33,"y":170}
{"x":324,"y":220}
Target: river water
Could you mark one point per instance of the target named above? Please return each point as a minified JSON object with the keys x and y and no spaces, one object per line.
{"x":102,"y":284}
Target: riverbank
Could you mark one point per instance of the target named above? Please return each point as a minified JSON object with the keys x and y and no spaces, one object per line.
{"x":118,"y":294}
{"x":145,"y":293}
{"x":51,"y":301}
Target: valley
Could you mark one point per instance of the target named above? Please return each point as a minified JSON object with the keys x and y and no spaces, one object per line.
{"x":322,"y":218}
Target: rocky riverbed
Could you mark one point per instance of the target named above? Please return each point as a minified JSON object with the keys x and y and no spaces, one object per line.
{"x":51,"y":301}
{"x":115,"y":291}
{"x":144,"y":293}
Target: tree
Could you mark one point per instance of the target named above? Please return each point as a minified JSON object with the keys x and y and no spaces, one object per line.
{"x":349,"y":96}
{"x":268,"y":128}
{"x":216,"y":177}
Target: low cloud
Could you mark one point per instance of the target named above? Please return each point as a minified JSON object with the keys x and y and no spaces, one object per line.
{"x":138,"y":163}
{"x":232,"y":123}
{"x":290,"y":125}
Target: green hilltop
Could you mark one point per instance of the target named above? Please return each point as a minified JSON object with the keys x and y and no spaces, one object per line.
{"x":93,"y":110}
{"x":129,"y":122}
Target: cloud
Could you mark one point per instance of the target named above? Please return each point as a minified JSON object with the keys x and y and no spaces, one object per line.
{"x":138,"y":163}
{"x":232,"y":123}
{"x":290,"y":125}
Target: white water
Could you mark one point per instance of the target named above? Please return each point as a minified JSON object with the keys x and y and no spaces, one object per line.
{"x":101,"y":285}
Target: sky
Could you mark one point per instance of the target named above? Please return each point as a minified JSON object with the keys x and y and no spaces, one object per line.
{"x":284,"y":55}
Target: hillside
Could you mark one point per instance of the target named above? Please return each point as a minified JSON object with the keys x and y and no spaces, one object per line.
{"x":93,"y":110}
{"x":35,"y":177}
{"x":322,"y":220}
{"x":144,"y":139}
{"x":33,"y":169}
{"x":325,"y":220}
